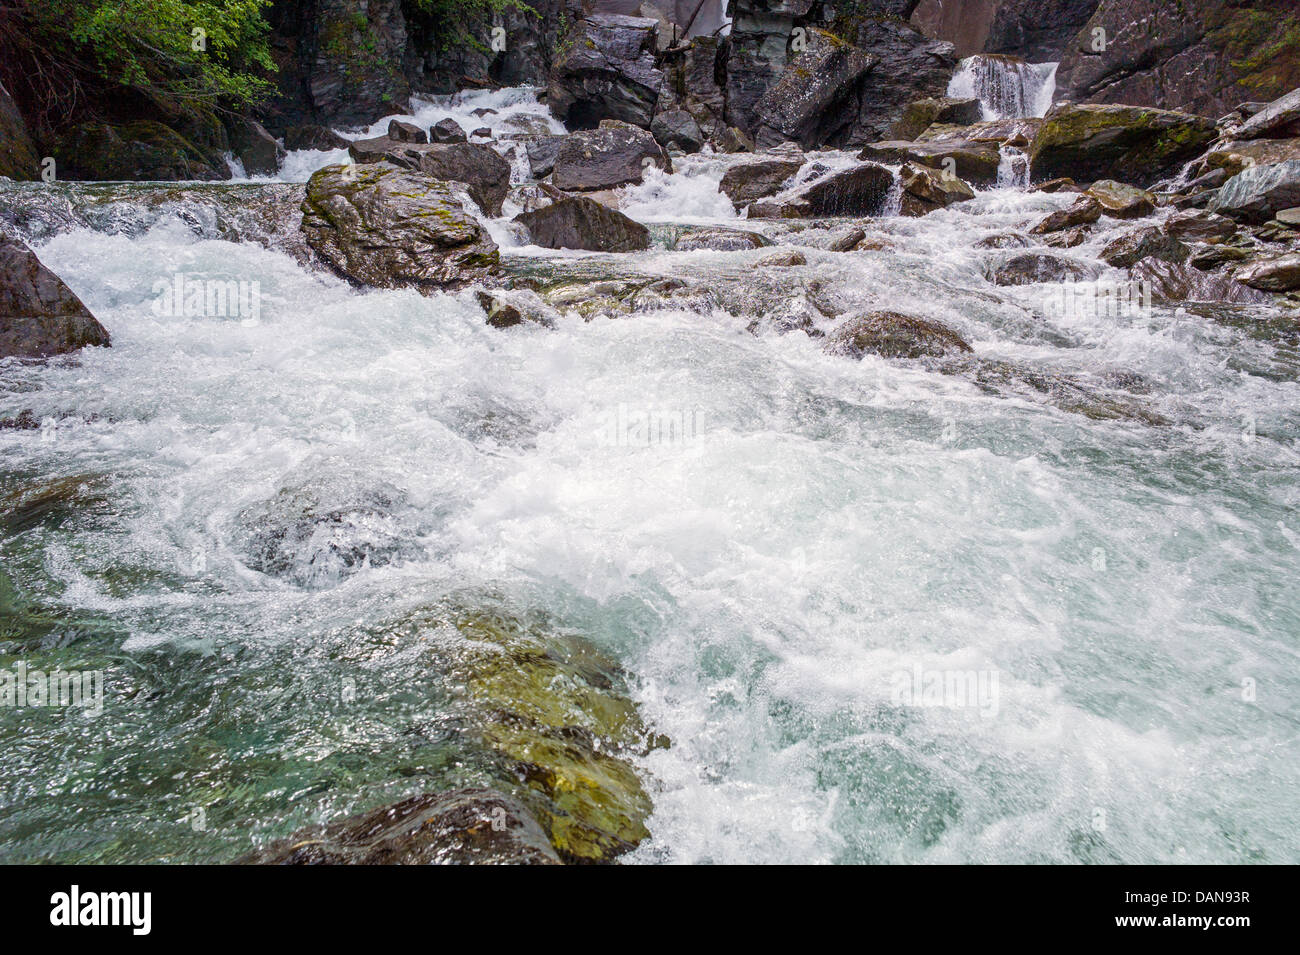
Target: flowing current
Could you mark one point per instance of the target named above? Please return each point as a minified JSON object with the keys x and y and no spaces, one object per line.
{"x":781,"y":579}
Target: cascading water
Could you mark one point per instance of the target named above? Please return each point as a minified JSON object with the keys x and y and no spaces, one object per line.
{"x":1007,"y":88}
{"x":1109,"y":578}
{"x":1013,"y":167}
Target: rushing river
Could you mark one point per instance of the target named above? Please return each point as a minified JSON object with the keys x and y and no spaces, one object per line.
{"x":1123,"y":593}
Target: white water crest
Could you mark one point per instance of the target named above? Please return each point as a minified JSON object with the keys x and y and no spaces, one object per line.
{"x":1007,"y":88}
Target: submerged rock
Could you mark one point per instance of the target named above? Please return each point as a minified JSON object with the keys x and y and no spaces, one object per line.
{"x":1131,"y":144}
{"x":1032,"y":268}
{"x":461,"y":827}
{"x":39,"y":315}
{"x":894,"y":335}
{"x":719,"y":240}
{"x":392,"y":228}
{"x":576,"y":222}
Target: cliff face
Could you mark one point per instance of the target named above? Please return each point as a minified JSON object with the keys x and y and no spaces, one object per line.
{"x":1202,"y":56}
{"x":1036,"y":30}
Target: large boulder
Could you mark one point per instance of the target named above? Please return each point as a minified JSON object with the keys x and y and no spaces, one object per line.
{"x":814,"y":100}
{"x":576,"y":222}
{"x":143,"y":150}
{"x":1260,"y":192}
{"x":1132,"y":247}
{"x":1280,"y":119}
{"x":1201,"y":56}
{"x":1128,"y":143}
{"x":859,"y":191}
{"x":257,"y":149}
{"x":39,"y":315}
{"x":605,"y":69}
{"x":18,"y":158}
{"x":894,"y":335}
{"x":613,"y":155}
{"x":461,"y":827}
{"x":757,"y":52}
{"x":382,"y":226}
{"x":921,"y":114}
{"x":747,"y":181}
{"x":481,"y":168}
{"x":1281,"y":274}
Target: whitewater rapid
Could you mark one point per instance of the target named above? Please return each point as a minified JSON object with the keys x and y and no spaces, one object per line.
{"x":828,"y":526}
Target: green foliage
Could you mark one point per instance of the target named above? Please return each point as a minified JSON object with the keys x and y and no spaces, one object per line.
{"x":463,"y":22}
{"x":153,"y":45}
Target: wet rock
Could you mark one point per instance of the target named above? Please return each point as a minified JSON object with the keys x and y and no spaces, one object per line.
{"x":1120,"y":201}
{"x":1260,"y":192}
{"x":1004,"y":240}
{"x":745,"y":182}
{"x":352,"y":69}
{"x":1278,"y":120}
{"x":719,"y":240}
{"x":483,"y":132}
{"x":310,"y":136}
{"x":1211,"y":257}
{"x":39,"y":315}
{"x":1085,"y":211}
{"x":894,"y":335}
{"x":974,"y":162}
{"x":1174,"y":283}
{"x":1070,"y":238}
{"x":508,"y":309}
{"x":1281,"y":274}
{"x":52,"y":502}
{"x":925,"y":190}
{"x":920,"y":115}
{"x":1062,"y":184}
{"x":781,"y":260}
{"x":1196,"y":226}
{"x":605,"y":69}
{"x":1089,"y":142}
{"x":1131,"y":247}
{"x":605,"y":158}
{"x":382,"y":226}
{"x":807,"y":102}
{"x":257,"y":149}
{"x":485,"y":174}
{"x":461,"y":827}
{"x":677,"y":129}
{"x":861,"y":190}
{"x":907,"y":65}
{"x":1032,"y":268}
{"x":18,"y":157}
{"x":845,"y":240}
{"x":1204,"y":56}
{"x":1232,"y":157}
{"x":405,"y":132}
{"x":1289,"y":217}
{"x":144,"y":150}
{"x":577,"y":222}
{"x":731,"y":139}
{"x":542,"y":153}
{"x":447,"y":131}
{"x":315,"y":532}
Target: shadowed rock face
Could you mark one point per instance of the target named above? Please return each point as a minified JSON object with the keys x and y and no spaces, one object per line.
{"x":605,"y":69}
{"x":461,"y":827}
{"x":1201,"y":56}
{"x":1037,"y":30}
{"x":614,"y":155}
{"x":860,"y":191}
{"x":39,"y":315}
{"x":808,"y":102}
{"x":387,"y":227}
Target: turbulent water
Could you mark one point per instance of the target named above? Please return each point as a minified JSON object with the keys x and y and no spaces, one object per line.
{"x":1007,"y":88}
{"x":1124,"y":592}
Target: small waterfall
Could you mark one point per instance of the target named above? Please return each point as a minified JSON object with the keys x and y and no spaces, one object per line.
{"x":1008,"y":88}
{"x":1013,"y":169}
{"x":893,"y":204}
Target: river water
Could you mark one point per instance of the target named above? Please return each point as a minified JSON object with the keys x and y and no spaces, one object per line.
{"x":781,"y":581}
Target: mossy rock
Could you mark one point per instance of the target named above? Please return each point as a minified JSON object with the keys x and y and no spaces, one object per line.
{"x":144,"y":150}
{"x":556,"y":713}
